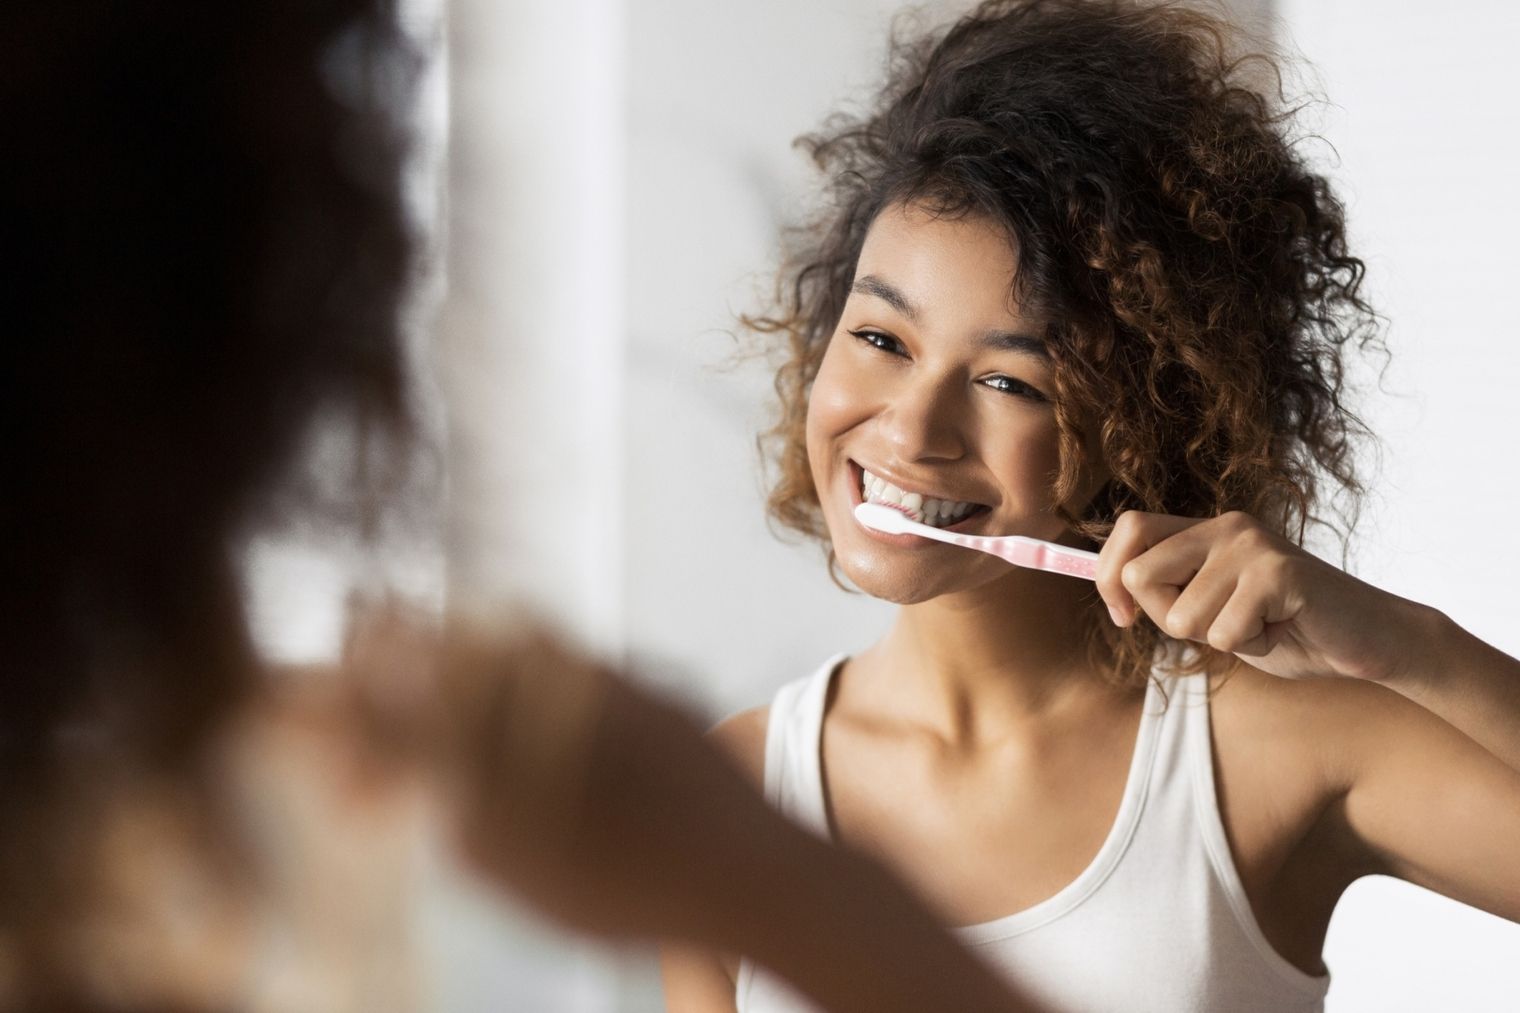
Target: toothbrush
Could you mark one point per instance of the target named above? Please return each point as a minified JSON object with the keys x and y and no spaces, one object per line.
{"x":1019,"y":550}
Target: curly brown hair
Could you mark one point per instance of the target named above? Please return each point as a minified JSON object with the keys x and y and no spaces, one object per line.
{"x":1194,"y":267}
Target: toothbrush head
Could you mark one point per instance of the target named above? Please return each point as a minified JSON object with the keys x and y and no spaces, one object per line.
{"x":885,"y":518}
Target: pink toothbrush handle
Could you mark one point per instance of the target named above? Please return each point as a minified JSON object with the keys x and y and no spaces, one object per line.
{"x":1034,"y":554}
{"x":1060,"y":559}
{"x":1020,"y":550}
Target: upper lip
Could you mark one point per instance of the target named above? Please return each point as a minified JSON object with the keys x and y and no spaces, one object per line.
{"x":908,"y":485}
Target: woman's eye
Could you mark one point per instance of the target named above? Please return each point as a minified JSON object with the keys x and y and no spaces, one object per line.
{"x":880,"y":341}
{"x":1009,"y":385}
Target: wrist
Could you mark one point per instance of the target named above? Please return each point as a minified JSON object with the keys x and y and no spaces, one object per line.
{"x":1426,"y":636}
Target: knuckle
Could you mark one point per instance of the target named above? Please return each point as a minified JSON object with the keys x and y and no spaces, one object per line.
{"x":1125,"y":526}
{"x":1222,"y":640}
{"x":1180,"y":622}
{"x":1108,"y":562}
{"x":1267,"y":572}
{"x":1278,"y":568}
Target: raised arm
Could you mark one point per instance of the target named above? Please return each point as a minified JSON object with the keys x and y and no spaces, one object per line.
{"x":1470,"y":684}
{"x":1232,"y":584}
{"x":1430,"y":782}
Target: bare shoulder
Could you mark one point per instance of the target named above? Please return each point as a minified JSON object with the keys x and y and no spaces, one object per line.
{"x":1280,"y":752}
{"x":1319,"y":728}
{"x":742,"y":737}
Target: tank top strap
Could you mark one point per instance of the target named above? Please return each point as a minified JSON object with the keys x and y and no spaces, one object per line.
{"x":1181,"y":713}
{"x":1198,"y":755}
{"x":793,"y":739}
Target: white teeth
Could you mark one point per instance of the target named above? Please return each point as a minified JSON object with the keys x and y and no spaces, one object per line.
{"x":924,"y":509}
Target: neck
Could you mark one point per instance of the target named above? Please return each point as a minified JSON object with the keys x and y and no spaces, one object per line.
{"x":980,"y":664}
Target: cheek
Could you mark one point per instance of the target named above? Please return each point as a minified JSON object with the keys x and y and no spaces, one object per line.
{"x":834,"y":406}
{"x":1029,"y":461}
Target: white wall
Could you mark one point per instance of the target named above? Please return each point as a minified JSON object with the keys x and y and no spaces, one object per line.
{"x":717,"y":608}
{"x":1423,"y":118}
{"x":530,"y":360}
{"x":533,"y":336}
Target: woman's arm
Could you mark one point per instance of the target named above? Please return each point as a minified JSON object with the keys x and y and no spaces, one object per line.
{"x":1424,"y":802}
{"x":608,"y":810}
{"x":1430,"y":774}
{"x":1232,"y":584}
{"x":699,"y":979}
{"x":1470,"y":684}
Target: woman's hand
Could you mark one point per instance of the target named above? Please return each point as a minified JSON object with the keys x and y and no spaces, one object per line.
{"x":1231,"y":583}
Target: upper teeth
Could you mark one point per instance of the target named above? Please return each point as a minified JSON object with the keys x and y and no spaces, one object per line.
{"x":925,"y":509}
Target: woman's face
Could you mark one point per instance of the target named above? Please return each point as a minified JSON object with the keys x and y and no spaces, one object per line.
{"x":934,"y":394}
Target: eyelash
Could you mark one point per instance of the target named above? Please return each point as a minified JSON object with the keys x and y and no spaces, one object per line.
{"x":879,"y":341}
{"x":1017,"y":388}
{"x":891,"y":346}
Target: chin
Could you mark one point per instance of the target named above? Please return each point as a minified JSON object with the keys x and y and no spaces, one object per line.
{"x":894,"y":592}
{"x":894,"y":581}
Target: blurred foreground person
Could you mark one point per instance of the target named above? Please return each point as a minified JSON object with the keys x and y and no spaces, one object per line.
{"x":204,"y":257}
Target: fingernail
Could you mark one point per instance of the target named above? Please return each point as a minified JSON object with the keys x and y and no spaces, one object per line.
{"x":1116,"y":616}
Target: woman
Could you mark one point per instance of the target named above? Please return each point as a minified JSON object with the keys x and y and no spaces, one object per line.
{"x":1074,"y":283}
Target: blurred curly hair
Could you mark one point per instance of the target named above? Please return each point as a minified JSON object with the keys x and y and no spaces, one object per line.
{"x":1194,"y":268}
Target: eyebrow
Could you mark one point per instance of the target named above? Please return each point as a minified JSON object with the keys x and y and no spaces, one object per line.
{"x":887,"y":293}
{"x":1004,"y":341}
{"x":1013,"y":341}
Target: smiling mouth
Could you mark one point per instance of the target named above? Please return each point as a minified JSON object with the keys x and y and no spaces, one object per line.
{"x":938,"y":513}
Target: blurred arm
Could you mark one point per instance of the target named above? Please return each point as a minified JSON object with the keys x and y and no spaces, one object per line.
{"x":608,"y":810}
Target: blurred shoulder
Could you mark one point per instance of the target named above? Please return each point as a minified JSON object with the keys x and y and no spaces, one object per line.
{"x":742,"y":737}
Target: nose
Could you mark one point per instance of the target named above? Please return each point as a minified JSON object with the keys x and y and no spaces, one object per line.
{"x":925,"y":420}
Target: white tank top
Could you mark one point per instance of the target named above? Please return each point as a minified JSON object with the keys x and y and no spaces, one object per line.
{"x":1158,"y":922}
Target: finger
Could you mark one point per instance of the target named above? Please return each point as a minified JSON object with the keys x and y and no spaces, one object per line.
{"x":1240,"y":627}
{"x":1264,"y":643}
{"x":1252,"y":623}
{"x":1156,"y":578}
{"x":1155,"y":600}
{"x":1195,"y":611}
{"x":1227,"y":542}
{"x":1135,"y":533}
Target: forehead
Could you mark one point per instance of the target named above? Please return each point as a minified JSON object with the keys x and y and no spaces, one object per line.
{"x":961,"y":267}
